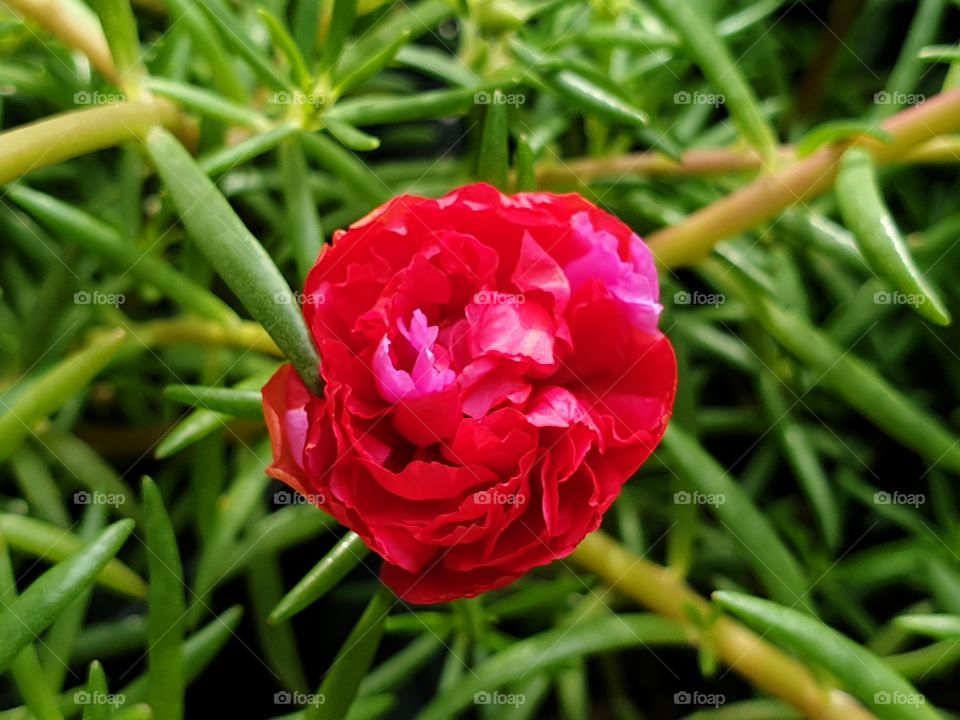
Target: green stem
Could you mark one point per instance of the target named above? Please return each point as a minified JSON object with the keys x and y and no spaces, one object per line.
{"x":73,"y":30}
{"x":69,"y":135}
{"x":758,"y":661}
{"x":709,"y":161}
{"x":800,"y":181}
{"x":246,"y":335}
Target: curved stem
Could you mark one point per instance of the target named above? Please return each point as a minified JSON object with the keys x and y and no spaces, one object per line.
{"x":769,"y":195}
{"x":741,"y":649}
{"x":693,"y":162}
{"x":944,"y":150}
{"x":246,"y":335}
{"x":73,"y":30}
{"x":708,"y":161}
{"x":68,"y":135}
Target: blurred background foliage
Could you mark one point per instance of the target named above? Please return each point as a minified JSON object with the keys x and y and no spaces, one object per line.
{"x":813,"y":456}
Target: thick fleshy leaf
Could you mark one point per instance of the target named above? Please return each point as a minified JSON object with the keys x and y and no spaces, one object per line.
{"x":342,"y":680}
{"x":23,"y":619}
{"x":550,"y":648}
{"x":324,"y":576}
{"x":237,"y":256}
{"x":863,"y":674}
{"x":166,"y":616}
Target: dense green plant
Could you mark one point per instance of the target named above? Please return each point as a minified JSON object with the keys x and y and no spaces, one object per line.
{"x":170,"y":171}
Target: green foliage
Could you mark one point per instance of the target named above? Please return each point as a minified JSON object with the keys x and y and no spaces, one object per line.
{"x":176,"y":168}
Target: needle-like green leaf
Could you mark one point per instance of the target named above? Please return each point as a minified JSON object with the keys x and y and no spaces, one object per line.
{"x":879,"y":239}
{"x":863,"y":674}
{"x":54,"y":544}
{"x":288,"y":46}
{"x":237,"y":256}
{"x":95,"y":695}
{"x":849,"y":377}
{"x":239,"y":403}
{"x":306,"y":234}
{"x":716,"y":62}
{"x":324,"y":576}
{"x":723,"y":496}
{"x":341,"y":21}
{"x":166,"y":609}
{"x":208,"y":103}
{"x":199,"y":650}
{"x":91,"y":234}
{"x":120,"y":28}
{"x":550,"y":648}
{"x":26,"y":670}
{"x":342,"y":679}
{"x":526,"y":173}
{"x":493,"y":161}
{"x":838,"y":131}
{"x":24,"y":618}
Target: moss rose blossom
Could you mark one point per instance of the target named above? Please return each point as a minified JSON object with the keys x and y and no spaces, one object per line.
{"x":493,"y":375}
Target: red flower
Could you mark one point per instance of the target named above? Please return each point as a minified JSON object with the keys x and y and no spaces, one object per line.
{"x":493,"y":375}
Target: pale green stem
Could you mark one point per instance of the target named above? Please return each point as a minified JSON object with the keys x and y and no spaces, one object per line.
{"x":246,"y":335}
{"x":73,"y":29}
{"x":747,"y":654}
{"x":764,"y":198}
{"x":69,"y":135}
{"x":708,"y":161}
